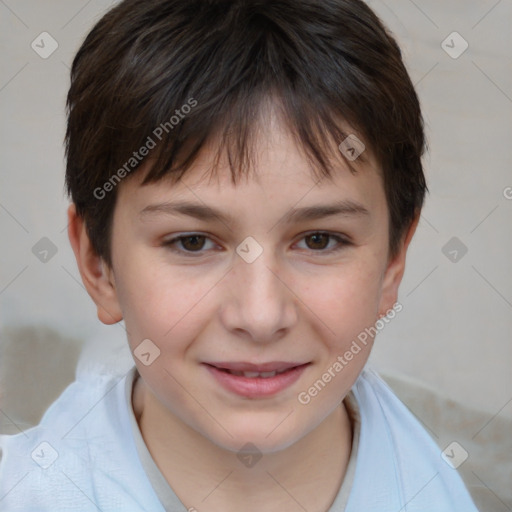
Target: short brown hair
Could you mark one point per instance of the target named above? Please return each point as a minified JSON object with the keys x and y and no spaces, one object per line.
{"x":323,"y":60}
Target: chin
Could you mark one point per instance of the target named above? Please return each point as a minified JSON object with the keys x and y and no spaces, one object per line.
{"x":257,"y":433}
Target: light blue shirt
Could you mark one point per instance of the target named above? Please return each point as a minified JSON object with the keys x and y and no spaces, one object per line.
{"x":83,"y":457}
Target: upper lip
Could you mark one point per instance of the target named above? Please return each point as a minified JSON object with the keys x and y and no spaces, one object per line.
{"x":271,"y":366}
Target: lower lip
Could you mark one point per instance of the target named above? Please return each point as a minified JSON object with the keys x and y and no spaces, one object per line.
{"x":257,"y":387}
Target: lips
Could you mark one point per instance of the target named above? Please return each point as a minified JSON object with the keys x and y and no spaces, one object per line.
{"x":256,"y":380}
{"x":253,"y":371}
{"x":272,"y":366}
{"x":254,"y":375}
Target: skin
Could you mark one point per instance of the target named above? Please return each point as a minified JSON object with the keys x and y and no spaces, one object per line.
{"x":298,"y":301}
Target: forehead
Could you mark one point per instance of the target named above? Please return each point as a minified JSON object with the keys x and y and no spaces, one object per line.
{"x":280,"y":173}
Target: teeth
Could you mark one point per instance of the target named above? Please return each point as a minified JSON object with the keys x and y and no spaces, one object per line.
{"x":254,"y":375}
{"x":250,"y":375}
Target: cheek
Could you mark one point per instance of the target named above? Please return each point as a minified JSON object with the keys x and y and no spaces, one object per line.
{"x":160,"y":304}
{"x":346,"y":300}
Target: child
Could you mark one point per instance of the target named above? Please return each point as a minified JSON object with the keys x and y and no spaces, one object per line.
{"x":249,"y":389}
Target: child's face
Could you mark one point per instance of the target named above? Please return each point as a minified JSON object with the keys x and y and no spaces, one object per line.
{"x":300,"y":301}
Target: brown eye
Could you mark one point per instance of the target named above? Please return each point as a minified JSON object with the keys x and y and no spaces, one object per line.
{"x":192,"y":243}
{"x":325,"y":243}
{"x":318,"y":240}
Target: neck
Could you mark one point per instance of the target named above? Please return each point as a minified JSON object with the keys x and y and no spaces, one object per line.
{"x":206,"y":476}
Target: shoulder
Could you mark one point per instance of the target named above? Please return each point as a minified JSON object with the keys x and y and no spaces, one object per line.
{"x":398,"y":459}
{"x":81,"y":456}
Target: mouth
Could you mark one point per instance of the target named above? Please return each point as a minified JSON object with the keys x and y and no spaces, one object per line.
{"x":253,"y":375}
{"x":256,"y":380}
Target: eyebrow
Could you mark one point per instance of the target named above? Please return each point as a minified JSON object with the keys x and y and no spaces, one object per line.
{"x":203,"y":212}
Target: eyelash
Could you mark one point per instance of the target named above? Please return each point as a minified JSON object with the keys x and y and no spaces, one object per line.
{"x":343,"y":242}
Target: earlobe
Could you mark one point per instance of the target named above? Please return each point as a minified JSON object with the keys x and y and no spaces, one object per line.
{"x":395,"y":271}
{"x":96,"y":275}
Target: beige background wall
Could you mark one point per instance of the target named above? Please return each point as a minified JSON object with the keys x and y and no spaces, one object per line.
{"x":455,"y":331}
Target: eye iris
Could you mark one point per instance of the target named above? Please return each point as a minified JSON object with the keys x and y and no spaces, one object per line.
{"x":318,"y":236}
{"x":193,"y":245}
{"x":319,"y":241}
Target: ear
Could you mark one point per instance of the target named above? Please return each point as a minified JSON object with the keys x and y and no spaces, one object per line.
{"x":395,"y":270}
{"x":97,"y":276}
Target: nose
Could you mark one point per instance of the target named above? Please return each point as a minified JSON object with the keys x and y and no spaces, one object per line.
{"x":259,"y":305}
